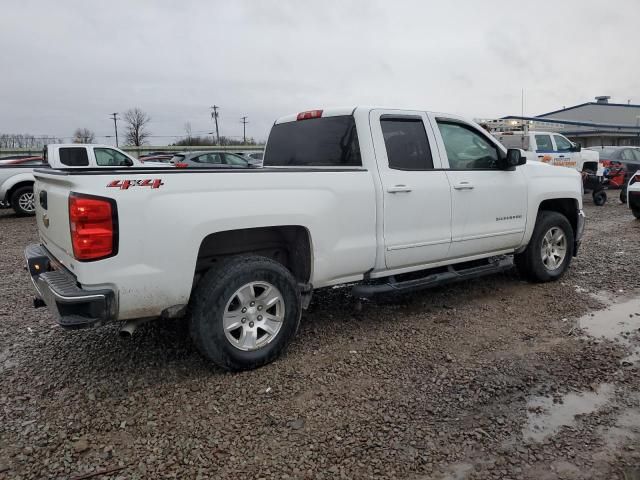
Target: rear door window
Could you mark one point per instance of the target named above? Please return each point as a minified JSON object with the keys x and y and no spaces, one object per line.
{"x":407,"y":144}
{"x":543,"y":143}
{"x":316,"y":142}
{"x":233,"y":159}
{"x":627,"y":155}
{"x":211,"y":158}
{"x":74,"y":156}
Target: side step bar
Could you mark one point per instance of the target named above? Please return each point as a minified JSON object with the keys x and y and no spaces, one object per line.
{"x":495,"y":265}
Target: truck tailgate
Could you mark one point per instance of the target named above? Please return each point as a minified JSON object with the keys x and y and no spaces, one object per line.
{"x":52,"y":214}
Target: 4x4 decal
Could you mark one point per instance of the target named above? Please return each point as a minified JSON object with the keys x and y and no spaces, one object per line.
{"x":126,"y":184}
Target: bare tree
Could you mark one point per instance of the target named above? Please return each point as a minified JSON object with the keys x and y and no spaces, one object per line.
{"x":136,"y":121}
{"x":189,"y":132}
{"x":83,"y":135}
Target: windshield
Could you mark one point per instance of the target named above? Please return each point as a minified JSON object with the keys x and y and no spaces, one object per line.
{"x":317,"y":142}
{"x":177,"y":158}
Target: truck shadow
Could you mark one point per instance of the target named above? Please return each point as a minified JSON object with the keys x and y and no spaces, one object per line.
{"x":161,"y":353}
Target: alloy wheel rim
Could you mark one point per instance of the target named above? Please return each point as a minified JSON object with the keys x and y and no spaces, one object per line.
{"x":26,"y":202}
{"x":554,"y":248}
{"x":253,"y":316}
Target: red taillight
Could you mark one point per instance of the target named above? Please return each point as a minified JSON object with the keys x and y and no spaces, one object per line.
{"x":309,"y":114}
{"x":93,"y":227}
{"x":181,"y":165}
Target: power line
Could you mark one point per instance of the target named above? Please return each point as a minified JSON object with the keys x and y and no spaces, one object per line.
{"x":244,"y":129}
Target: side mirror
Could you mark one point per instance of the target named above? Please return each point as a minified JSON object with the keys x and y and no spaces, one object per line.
{"x":515,"y":158}
{"x":576,"y":147}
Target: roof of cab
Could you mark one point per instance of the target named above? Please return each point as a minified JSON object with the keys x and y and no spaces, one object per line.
{"x":338,"y":111}
{"x":65,"y":145}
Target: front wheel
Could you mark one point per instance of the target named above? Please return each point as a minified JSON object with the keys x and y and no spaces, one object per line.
{"x":245,"y":312}
{"x":636,"y":213}
{"x":550,"y":249}
{"x":23,"y":201}
{"x":623,"y":195}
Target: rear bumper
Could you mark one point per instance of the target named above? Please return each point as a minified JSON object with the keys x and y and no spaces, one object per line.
{"x":579,"y":232}
{"x":72,"y":306}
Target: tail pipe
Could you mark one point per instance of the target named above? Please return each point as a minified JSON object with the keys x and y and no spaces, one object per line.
{"x":130,"y":326}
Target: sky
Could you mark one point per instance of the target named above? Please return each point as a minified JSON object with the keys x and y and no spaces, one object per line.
{"x":68,"y":64}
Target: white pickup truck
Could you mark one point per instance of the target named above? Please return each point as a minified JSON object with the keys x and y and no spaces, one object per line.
{"x":16,"y":178}
{"x":391,"y":200}
{"x":552,"y":148}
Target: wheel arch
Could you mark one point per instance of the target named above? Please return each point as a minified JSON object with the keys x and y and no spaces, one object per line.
{"x":17,"y":185}
{"x":569,"y":207}
{"x":289,"y":245}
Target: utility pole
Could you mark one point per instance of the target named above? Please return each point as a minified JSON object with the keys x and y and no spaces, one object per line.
{"x":115,"y":125}
{"x":214,"y":115}
{"x":244,"y":129}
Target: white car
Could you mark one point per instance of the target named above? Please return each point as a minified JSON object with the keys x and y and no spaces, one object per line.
{"x":16,"y":176}
{"x":633,"y":194}
{"x":395,"y":200}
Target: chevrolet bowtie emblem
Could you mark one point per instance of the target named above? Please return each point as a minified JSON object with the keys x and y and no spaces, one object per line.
{"x":45,"y":220}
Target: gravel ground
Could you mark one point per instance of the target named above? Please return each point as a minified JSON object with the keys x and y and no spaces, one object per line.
{"x":491,"y":378}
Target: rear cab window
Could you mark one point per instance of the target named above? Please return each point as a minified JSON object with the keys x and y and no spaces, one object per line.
{"x":315,"y":142}
{"x":515,"y":141}
{"x":74,"y":156}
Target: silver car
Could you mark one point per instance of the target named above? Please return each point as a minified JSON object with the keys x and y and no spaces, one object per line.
{"x":209,"y":160}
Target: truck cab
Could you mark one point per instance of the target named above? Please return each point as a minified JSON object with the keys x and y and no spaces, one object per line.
{"x":74,"y":155}
{"x":553,"y":148}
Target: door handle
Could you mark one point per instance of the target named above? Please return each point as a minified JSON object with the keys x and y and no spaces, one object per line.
{"x":561,"y":156}
{"x":463,"y":186}
{"x":399,"y":189}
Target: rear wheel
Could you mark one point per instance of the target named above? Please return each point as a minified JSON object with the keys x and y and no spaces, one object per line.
{"x":600,"y":198}
{"x":245,"y":312}
{"x":23,"y":201}
{"x":550,"y":249}
{"x":636,"y":213}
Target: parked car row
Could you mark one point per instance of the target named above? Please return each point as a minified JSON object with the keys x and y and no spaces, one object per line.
{"x":16,"y":172}
{"x":621,"y":164}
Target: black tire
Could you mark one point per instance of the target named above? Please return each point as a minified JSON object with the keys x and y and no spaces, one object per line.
{"x":529,"y":263}
{"x":218,"y":287}
{"x":16,"y":198}
{"x":623,"y":195}
{"x":636,"y":213}
{"x":599,"y":198}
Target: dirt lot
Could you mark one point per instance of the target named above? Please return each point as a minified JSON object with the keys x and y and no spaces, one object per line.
{"x":494,"y":378}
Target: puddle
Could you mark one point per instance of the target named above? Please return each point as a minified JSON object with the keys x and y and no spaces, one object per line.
{"x":625,"y":430}
{"x":618,"y":322}
{"x":544,"y":417}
